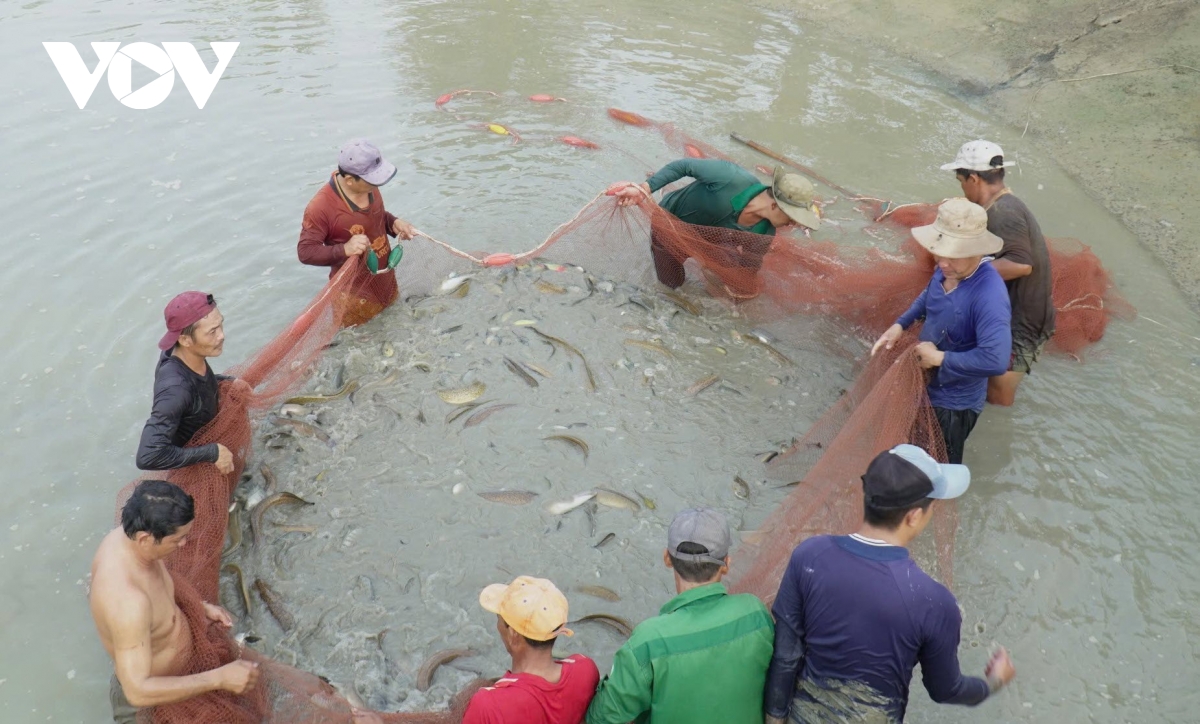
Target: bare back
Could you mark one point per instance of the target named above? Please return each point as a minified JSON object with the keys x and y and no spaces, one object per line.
{"x":133,"y":606}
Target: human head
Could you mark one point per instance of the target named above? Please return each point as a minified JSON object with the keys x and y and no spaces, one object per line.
{"x":793,"y":200}
{"x":194,"y":323}
{"x":978,"y":167}
{"x":958,"y":238}
{"x":158,"y":517}
{"x":361,"y":166}
{"x":698,"y":544}
{"x":530,"y":613}
{"x":901,"y":484}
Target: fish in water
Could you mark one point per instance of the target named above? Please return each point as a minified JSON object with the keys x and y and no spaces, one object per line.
{"x":571,"y":440}
{"x":519,"y":371}
{"x":268,"y":477}
{"x":540,"y":370}
{"x":453,"y":283}
{"x":741,"y":488}
{"x":385,"y":381}
{"x":293,"y":410}
{"x":387,"y":350}
{"x":702,"y":385}
{"x":306,"y":429}
{"x":600,"y":592}
{"x":652,"y":346}
{"x":345,"y":390}
{"x":463,"y":395}
{"x":256,"y":515}
{"x":436,"y":661}
{"x":682,"y":302}
{"x":562,"y":507}
{"x":485,"y":413}
{"x":240,"y":577}
{"x":648,"y":502}
{"x":508,"y":497}
{"x":778,"y":356}
{"x":613,"y":499}
{"x":235,"y":531}
{"x":464,"y":409}
{"x":605,"y":540}
{"x":578,"y":142}
{"x":549,"y":287}
{"x":591,"y":379}
{"x":274,"y":604}
{"x":616,"y":623}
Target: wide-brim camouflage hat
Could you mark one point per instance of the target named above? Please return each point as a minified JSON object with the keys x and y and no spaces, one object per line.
{"x":794,"y":194}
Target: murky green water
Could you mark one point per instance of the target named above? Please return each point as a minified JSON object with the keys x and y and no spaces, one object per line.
{"x":1074,"y":544}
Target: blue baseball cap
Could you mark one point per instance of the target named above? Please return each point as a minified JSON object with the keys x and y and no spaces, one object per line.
{"x":906,"y":475}
{"x":362,"y":158}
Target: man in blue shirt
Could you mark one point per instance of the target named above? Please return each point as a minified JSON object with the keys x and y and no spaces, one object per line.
{"x":855,"y":614}
{"x":967,"y":335}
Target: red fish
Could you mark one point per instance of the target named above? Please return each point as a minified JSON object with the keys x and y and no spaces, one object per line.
{"x":692,"y":152}
{"x":543,"y":98}
{"x":578,"y":142}
{"x":632,"y":119}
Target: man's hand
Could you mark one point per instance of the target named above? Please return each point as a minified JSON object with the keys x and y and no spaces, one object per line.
{"x":218,"y":614}
{"x":888,"y":339}
{"x":365,"y":717}
{"x":999,"y":670}
{"x":242,"y":386}
{"x":238,"y":676}
{"x":629,"y":193}
{"x":356,"y":245}
{"x":929,"y":356}
{"x":402,"y":229}
{"x":224,"y":460}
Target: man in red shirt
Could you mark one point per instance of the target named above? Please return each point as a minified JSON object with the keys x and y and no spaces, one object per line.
{"x":328,"y":236}
{"x":537,"y":689}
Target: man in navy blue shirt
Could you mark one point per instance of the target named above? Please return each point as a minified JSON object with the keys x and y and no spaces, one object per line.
{"x":967,"y":335}
{"x":855,"y":614}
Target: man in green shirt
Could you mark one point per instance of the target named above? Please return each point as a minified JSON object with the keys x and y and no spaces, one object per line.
{"x":723,"y":196}
{"x":704,"y":658}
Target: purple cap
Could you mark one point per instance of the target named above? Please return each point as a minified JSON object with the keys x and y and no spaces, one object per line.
{"x":182,"y":312}
{"x":363,"y":159}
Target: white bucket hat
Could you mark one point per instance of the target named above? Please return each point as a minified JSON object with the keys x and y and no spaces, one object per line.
{"x":794,"y":194}
{"x":977,"y":156}
{"x":960,"y":231}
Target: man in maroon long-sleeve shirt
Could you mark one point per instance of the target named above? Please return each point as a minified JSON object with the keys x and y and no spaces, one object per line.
{"x":328,"y":236}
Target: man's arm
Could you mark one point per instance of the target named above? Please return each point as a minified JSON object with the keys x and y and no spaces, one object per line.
{"x":1010,"y":270}
{"x":157,"y":449}
{"x":1015,"y":259}
{"x":993,"y":341}
{"x":624,"y":694}
{"x":788,"y":657}
{"x":312,"y":249}
{"x":915,"y":311}
{"x":940,"y":672}
{"x":704,"y":170}
{"x":129,"y":627}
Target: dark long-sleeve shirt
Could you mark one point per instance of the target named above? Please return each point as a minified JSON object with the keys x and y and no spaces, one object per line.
{"x":854,"y":616}
{"x":716,"y":197}
{"x":184,"y":402}
{"x":973,"y":325}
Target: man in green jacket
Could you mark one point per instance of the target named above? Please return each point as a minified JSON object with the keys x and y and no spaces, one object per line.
{"x":704,"y":658}
{"x":723,"y":196}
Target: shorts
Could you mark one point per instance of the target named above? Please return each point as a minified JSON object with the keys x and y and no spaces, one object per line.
{"x":1024,"y":354}
{"x":123,"y":711}
{"x":734,"y":256}
{"x":956,"y":426}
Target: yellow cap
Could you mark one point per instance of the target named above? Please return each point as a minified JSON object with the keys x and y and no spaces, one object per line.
{"x":533,"y":607}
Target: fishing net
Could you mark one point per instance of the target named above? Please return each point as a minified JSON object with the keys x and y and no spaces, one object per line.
{"x":856,"y":289}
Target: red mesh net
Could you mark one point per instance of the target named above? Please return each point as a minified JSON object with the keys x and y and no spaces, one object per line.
{"x":858,"y":288}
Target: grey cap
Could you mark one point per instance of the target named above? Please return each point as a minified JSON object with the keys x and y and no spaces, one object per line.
{"x":363,"y":159}
{"x":702,"y":526}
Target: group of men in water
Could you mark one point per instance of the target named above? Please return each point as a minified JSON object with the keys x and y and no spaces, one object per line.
{"x":853,"y":614}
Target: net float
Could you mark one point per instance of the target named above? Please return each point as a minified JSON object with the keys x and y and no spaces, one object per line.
{"x":632,"y":119}
{"x":578,"y":142}
{"x":545,"y":98}
{"x":692,"y":152}
{"x":500,"y":130}
{"x":445,"y":98}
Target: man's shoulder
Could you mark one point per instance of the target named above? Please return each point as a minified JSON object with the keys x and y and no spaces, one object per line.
{"x":1007,"y":210}
{"x":813,"y":547}
{"x":321,"y":200}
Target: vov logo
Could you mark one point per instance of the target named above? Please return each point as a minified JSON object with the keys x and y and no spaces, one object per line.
{"x":118,"y":61}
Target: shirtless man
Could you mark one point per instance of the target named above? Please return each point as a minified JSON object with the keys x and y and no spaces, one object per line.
{"x":133,"y":604}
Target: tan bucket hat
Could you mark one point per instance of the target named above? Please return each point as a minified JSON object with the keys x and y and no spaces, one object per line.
{"x":794,"y":194}
{"x":959,"y":231}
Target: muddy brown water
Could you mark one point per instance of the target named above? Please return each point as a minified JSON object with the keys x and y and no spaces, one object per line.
{"x":1075,"y":547}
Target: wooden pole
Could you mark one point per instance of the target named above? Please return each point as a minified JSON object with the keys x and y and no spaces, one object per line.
{"x":789,"y":162}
